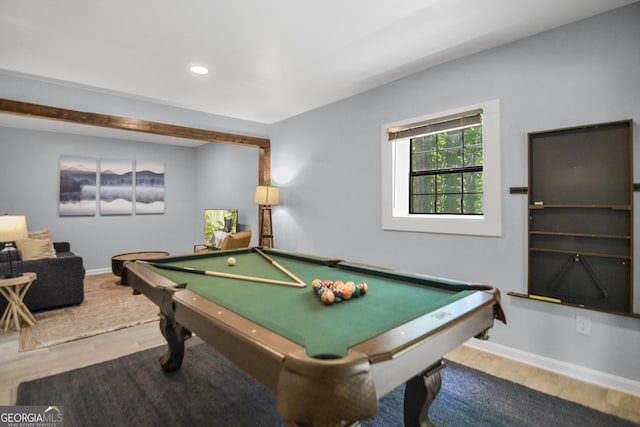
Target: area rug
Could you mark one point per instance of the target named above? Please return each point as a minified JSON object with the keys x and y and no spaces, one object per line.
{"x":210,"y":391}
{"x":107,"y":306}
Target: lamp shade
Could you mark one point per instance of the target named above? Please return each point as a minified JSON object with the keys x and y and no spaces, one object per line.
{"x":266,"y":195}
{"x":13,"y":228}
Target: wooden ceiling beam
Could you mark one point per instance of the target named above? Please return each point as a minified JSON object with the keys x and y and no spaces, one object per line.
{"x":125,"y":123}
{"x":39,"y":111}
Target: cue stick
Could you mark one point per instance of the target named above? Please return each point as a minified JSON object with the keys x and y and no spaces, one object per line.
{"x":220,"y":274}
{"x":279,"y":267}
{"x":548,"y":299}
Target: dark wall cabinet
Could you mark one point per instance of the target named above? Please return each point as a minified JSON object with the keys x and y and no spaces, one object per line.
{"x":581,"y":216}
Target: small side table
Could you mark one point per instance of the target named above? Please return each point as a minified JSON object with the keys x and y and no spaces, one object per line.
{"x":14,"y":290}
{"x":117,"y":261}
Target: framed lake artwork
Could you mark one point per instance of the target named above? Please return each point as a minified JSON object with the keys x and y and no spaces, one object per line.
{"x":116,"y":187}
{"x":149,"y":187}
{"x":78,"y":178}
{"x":91,"y":186}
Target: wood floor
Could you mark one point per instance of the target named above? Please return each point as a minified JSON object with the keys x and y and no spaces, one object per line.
{"x":16,"y":367}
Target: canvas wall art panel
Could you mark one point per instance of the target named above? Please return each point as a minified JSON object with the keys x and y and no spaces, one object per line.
{"x":78,"y":177}
{"x":149,"y":187}
{"x":116,"y":187}
{"x":218,"y":224}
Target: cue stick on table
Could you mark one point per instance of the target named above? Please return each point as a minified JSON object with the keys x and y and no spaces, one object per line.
{"x":220,"y":274}
{"x":279,"y":267}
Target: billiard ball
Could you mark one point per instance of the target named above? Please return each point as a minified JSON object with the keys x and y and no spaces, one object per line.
{"x":231,"y":261}
{"x":355,"y":291}
{"x":363,"y":288}
{"x":318,"y":288}
{"x":327,"y":297}
{"x":348,"y":290}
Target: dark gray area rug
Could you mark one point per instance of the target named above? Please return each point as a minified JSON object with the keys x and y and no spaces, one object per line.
{"x":210,"y":391}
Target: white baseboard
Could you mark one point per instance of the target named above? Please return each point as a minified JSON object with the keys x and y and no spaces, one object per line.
{"x":95,"y":271}
{"x":576,"y":372}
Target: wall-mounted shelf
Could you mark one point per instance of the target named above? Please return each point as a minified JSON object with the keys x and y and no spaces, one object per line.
{"x":580,"y":253}
{"x":612,"y":207}
{"x":559,"y":301}
{"x":581,"y":216}
{"x":597,"y":236}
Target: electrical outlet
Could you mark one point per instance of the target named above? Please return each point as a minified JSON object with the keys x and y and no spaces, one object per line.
{"x":583,"y":325}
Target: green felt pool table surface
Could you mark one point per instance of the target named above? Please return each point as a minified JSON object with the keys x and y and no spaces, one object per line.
{"x":298,"y":314}
{"x":285,"y":337}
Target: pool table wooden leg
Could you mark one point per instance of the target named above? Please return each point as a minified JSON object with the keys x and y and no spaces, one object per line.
{"x":419,"y":393}
{"x":175,"y":334}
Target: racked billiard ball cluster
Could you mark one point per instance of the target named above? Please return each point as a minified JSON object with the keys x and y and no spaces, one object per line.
{"x":330,"y":291}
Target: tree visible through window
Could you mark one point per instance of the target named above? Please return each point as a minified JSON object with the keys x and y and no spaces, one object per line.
{"x":445,"y":176}
{"x":441,"y":172}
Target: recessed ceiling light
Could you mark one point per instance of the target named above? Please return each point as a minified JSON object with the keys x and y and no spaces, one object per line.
{"x":199,"y":69}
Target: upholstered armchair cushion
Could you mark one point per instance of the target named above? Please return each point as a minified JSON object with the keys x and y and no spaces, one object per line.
{"x":238,"y":240}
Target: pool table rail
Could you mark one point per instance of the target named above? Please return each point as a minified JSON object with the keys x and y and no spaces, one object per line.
{"x":392,"y":343}
{"x":154,"y":286}
{"x":396,"y":367}
{"x":344,"y":385}
{"x":316,"y":390}
{"x":418,"y":279}
{"x":313,"y":259}
{"x":351,"y":385}
{"x":254,"y":348}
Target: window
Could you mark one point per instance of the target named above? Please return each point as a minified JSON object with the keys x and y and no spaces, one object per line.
{"x":441,"y":172}
{"x":446,"y":168}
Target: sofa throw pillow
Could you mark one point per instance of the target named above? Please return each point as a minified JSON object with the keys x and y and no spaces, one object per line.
{"x":32,"y":249}
{"x":42,"y":235}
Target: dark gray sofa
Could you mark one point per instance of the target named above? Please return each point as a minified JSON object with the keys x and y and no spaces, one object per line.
{"x":60,"y":280}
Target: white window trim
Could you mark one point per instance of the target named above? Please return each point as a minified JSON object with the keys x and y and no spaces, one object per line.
{"x":395,"y":181}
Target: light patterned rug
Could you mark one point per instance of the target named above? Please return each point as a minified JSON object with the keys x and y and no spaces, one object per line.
{"x":107,"y":306}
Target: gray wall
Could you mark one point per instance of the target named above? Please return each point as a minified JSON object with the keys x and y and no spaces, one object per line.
{"x":30,"y":170}
{"x":227,"y":176}
{"x":328,"y":163}
{"x":212,"y":175}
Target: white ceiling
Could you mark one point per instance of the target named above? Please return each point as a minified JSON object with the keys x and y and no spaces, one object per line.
{"x":269,"y":60}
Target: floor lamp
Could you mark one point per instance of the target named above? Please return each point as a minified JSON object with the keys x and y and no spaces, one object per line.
{"x":266,"y":197}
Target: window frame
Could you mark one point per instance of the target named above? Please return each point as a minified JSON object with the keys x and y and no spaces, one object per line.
{"x":395,"y":183}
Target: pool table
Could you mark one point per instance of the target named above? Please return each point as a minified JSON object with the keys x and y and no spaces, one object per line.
{"x":326,"y":364}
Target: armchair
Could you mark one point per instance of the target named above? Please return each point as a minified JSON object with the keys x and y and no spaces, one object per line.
{"x":238,"y":240}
